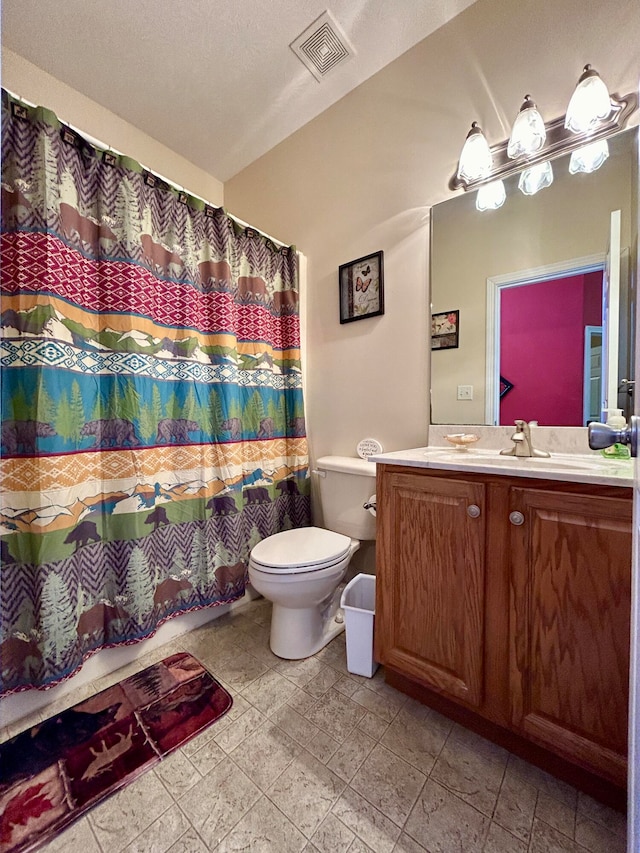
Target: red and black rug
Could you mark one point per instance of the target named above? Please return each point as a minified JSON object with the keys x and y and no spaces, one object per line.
{"x":56,"y":771}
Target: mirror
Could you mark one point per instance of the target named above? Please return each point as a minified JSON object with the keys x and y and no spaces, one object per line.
{"x":535,"y":265}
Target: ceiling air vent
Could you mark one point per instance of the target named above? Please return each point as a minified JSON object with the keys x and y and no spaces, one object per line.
{"x":322,"y":46}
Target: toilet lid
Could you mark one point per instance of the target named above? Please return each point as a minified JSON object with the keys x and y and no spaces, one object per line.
{"x":302,"y":548}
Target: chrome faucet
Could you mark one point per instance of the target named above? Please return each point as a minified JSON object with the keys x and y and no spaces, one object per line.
{"x":522,"y":445}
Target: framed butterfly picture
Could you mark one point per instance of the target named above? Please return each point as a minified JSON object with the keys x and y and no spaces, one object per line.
{"x":361,"y":288}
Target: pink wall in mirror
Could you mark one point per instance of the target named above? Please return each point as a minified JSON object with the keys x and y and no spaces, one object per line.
{"x":542,"y":347}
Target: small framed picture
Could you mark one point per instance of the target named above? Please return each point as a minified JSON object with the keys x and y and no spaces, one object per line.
{"x":361,"y":288}
{"x":445,"y":328}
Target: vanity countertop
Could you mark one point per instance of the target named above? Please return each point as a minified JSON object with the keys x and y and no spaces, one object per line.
{"x":573,"y":468}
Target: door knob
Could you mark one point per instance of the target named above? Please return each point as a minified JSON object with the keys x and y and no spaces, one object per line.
{"x":516,"y":518}
{"x":473,"y":511}
{"x":603,"y":435}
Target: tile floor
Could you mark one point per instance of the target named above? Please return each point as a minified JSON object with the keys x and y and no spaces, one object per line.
{"x":311,"y":758}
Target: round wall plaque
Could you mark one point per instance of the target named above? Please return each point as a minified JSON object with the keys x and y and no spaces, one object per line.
{"x":368,"y":447}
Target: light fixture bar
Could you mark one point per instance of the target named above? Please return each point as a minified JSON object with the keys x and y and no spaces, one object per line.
{"x":559,"y":141}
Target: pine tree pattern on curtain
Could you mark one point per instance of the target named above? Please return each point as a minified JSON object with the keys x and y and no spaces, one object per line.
{"x":152,"y":416}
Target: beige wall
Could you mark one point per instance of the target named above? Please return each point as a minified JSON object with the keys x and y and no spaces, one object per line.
{"x":31,"y":83}
{"x":568,"y":220}
{"x":363,"y":175}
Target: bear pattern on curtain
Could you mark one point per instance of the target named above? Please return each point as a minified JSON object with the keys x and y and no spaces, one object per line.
{"x":152,"y":416}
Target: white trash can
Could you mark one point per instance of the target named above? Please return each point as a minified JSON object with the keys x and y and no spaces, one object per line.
{"x":359,"y":603}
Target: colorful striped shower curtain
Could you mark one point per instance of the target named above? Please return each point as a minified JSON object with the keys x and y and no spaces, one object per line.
{"x":152,"y":417}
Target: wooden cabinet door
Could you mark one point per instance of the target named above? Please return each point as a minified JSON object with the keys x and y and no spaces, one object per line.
{"x":430,"y":587}
{"x":569,"y":631}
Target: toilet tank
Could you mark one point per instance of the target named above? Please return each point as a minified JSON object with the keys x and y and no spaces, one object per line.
{"x":346,"y":483}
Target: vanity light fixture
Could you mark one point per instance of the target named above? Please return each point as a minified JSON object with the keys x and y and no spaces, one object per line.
{"x":536,"y":178}
{"x":475,"y":157}
{"x":592,"y":115}
{"x":528,"y":133}
{"x":590,"y":103}
{"x":590,"y":157}
{"x":491,"y":196}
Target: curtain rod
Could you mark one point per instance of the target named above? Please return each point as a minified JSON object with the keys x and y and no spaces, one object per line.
{"x":98,"y":143}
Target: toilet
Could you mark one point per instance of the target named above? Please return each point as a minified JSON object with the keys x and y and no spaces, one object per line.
{"x":300,"y":570}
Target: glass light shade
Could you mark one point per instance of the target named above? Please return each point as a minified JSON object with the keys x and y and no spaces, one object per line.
{"x":590,"y":157}
{"x":475,"y":157}
{"x":528,"y":133}
{"x":536,"y":178}
{"x":590,"y":103}
{"x":491,"y":196}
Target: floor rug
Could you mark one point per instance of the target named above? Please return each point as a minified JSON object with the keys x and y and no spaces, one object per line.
{"x":53,"y":773}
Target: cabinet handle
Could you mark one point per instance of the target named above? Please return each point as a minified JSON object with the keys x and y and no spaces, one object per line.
{"x":516,"y":518}
{"x":473,"y":511}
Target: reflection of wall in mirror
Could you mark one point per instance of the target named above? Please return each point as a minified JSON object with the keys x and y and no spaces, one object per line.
{"x":547,"y":319}
{"x":569,"y":219}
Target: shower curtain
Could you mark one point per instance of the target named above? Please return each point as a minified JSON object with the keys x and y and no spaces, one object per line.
{"x":152,"y":416}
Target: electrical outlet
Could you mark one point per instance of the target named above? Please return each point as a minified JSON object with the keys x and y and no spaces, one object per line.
{"x":465,"y":392}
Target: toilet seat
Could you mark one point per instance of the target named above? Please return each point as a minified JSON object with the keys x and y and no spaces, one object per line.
{"x":312,"y":548}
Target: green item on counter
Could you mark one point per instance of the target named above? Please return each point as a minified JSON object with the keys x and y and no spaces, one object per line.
{"x":617,"y":451}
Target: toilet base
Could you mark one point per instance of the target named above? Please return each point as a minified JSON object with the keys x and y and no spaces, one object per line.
{"x":298,"y":633}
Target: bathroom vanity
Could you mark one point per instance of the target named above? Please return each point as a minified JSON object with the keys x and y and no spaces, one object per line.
{"x":503,"y":600}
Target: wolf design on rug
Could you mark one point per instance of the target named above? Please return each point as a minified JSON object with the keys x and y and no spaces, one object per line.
{"x":51,"y":774}
{"x":103,"y":760}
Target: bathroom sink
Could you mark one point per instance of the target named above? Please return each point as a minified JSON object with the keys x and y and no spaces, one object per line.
{"x":577,"y":465}
{"x":541,"y":462}
{"x":556,"y":462}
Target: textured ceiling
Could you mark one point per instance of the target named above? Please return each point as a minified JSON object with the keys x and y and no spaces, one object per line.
{"x":214,"y":80}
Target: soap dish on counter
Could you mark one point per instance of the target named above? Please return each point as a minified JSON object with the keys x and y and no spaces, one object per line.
{"x":462,"y":440}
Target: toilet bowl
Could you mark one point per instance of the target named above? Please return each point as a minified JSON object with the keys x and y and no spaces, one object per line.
{"x":303,"y":619}
{"x":300,"y":570}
